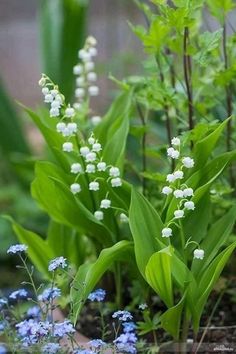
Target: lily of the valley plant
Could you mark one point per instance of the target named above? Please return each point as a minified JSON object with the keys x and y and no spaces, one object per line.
{"x":134,"y":192}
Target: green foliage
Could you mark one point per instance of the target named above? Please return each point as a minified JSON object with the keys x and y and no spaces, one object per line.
{"x":158,"y":275}
{"x":52,"y":193}
{"x":11,"y":134}
{"x":186,"y":90}
{"x":89,"y":275}
{"x":39,"y":252}
{"x":208,"y":41}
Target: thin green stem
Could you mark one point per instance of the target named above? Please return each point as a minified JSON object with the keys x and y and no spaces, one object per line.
{"x":184,"y":334}
{"x":182,"y":239}
{"x":187,"y":77}
{"x":118,"y":284}
{"x":143,"y":118}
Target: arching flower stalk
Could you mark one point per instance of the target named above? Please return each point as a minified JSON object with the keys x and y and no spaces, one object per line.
{"x":180,"y":191}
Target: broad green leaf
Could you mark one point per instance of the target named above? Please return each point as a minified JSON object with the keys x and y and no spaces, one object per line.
{"x":52,"y":192}
{"x":53,"y":139}
{"x":38,"y":250}
{"x":120,"y":107}
{"x":208,"y":280}
{"x":158,"y":275}
{"x":114,"y":149}
{"x":204,"y":147}
{"x":204,"y":177}
{"x":146,"y":226}
{"x":216,"y":237}
{"x":68,"y":243}
{"x":89,"y":275}
{"x":171,"y":319}
{"x":185,"y":282}
{"x":202,"y":212}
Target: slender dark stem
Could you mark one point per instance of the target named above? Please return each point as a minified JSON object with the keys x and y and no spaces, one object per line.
{"x":143,"y":143}
{"x":188,"y":78}
{"x":166,"y":108}
{"x":229,"y":103}
{"x":227,"y":90}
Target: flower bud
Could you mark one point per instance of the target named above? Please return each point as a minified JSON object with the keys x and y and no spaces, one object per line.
{"x":167,"y":190}
{"x":171,"y":152}
{"x":90,"y":168}
{"x":198,"y":254}
{"x":96,"y":120}
{"x":99,"y":215}
{"x":179,"y":214}
{"x":101,"y":166}
{"x":69,"y":112}
{"x":84,"y":150}
{"x":91,"y":157}
{"x":77,"y":69}
{"x":67,"y":147}
{"x":105,"y":204}
{"x":188,"y":192}
{"x":92,"y":76}
{"x":116,"y":182}
{"x":76,"y":168}
{"x":189,"y":205}
{"x":93,"y":90}
{"x":170,"y":178}
{"x":75,"y":188}
{"x":178,"y":193}
{"x":179,"y":174}
{"x":94,"y":186}
{"x":97,"y":147}
{"x":60,"y":127}
{"x":175,"y":142}
{"x":188,"y":162}
{"x":124,"y":218}
{"x":166,"y":232}
{"x":114,"y":172}
{"x":79,"y":92}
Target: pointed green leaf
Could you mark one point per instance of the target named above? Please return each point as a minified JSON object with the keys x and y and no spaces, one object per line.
{"x":171,"y":319}
{"x":208,"y":280}
{"x":158,"y":275}
{"x":216,"y":237}
{"x":38,"y":250}
{"x":204,"y":147}
{"x":146,"y":226}
{"x":89,"y":275}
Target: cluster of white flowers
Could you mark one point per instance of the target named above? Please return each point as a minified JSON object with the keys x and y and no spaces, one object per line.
{"x":52,"y":96}
{"x":180,"y":191}
{"x":91,"y":152}
{"x":93,"y":164}
{"x":86,"y":77}
{"x":65,"y":113}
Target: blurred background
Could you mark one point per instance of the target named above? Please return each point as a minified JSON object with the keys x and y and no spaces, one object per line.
{"x":44,"y":36}
{"x":20,"y":43}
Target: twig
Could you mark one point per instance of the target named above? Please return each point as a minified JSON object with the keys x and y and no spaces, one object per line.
{"x":229,"y":104}
{"x":209,"y":321}
{"x":187,"y":77}
{"x":166,"y":108}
